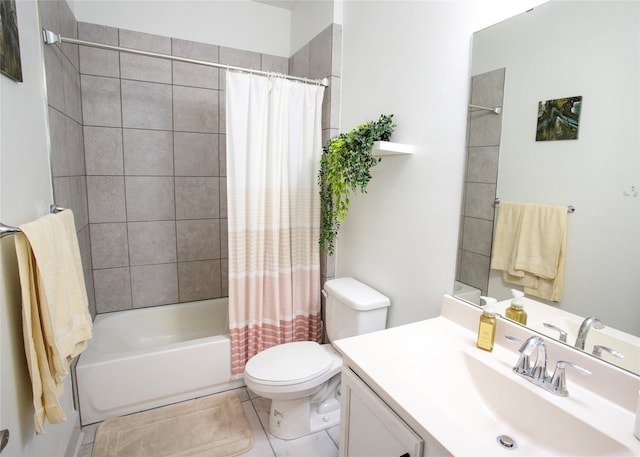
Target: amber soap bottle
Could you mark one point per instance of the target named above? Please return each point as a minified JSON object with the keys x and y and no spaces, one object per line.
{"x":487,"y":327}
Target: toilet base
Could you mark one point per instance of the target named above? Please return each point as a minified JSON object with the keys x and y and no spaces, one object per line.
{"x":291,"y":419}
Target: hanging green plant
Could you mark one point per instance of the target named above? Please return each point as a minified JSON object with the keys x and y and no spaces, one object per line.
{"x":344,"y":167}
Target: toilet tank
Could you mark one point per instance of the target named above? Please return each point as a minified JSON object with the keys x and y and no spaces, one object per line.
{"x":353,"y":308}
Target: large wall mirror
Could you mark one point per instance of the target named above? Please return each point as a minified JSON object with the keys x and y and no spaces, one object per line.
{"x":557,"y":50}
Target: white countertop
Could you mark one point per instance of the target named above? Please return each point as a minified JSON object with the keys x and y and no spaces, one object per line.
{"x":384,"y":360}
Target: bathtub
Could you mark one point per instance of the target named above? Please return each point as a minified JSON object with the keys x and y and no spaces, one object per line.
{"x":150,"y":357}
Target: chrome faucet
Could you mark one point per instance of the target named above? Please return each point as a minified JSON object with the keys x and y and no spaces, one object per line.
{"x":532,"y":371}
{"x":537,"y":372}
{"x":587,"y":324}
{"x":562,"y":334}
{"x":598,"y":348}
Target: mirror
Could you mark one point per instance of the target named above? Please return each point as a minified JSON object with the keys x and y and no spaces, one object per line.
{"x":560,"y":49}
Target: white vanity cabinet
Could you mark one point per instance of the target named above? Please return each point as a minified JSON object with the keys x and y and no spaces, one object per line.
{"x":369,"y":427}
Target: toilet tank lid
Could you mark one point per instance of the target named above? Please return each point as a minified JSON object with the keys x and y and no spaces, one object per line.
{"x":355,"y":294}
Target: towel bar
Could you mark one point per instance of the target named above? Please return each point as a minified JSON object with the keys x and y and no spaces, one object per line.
{"x":570,"y":208}
{"x":6,"y":230}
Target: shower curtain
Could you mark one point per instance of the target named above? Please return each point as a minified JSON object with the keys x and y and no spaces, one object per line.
{"x":274,"y":146}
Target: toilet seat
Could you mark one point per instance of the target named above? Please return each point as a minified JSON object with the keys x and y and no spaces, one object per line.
{"x":289,"y":363}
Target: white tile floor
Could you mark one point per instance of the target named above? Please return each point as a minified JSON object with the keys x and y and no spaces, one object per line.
{"x":321,"y":444}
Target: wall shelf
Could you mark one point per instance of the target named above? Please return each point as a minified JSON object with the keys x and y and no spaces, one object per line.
{"x":389,"y":148}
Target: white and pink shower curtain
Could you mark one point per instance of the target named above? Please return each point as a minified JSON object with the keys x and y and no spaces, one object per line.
{"x":274,"y":146}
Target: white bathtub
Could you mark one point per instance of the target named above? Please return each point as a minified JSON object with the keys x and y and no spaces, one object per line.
{"x":150,"y":357}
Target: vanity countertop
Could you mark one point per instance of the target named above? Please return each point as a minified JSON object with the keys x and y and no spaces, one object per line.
{"x":392,"y":362}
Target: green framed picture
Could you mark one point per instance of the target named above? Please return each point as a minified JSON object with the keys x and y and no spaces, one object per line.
{"x":10,"y":64}
{"x":559,"y":119}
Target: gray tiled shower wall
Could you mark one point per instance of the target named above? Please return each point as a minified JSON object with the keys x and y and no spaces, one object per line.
{"x":139,"y":155}
{"x":478,"y":209}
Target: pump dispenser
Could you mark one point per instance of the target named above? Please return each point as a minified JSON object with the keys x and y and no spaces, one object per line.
{"x":487,"y":327}
{"x":516,"y":311}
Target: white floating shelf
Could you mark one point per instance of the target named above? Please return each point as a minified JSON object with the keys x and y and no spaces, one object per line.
{"x":389,"y":148}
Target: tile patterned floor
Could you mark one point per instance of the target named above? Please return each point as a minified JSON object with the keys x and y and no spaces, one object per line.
{"x":321,"y":444}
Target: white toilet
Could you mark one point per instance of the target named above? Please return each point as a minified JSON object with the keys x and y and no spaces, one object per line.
{"x":302,"y":379}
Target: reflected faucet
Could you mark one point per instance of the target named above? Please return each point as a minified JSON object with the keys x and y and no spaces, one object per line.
{"x":587,"y":324}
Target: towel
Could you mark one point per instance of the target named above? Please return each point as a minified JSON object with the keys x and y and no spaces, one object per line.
{"x":529,"y":247}
{"x":55,"y":313}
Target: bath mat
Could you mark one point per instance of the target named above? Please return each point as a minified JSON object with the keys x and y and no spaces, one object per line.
{"x":213,"y":426}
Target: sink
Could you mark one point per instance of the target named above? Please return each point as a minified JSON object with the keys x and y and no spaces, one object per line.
{"x":489,"y":401}
{"x":624,"y":343}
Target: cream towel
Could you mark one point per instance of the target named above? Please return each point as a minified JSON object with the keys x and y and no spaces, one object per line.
{"x":529,"y":247}
{"x":56,"y":319}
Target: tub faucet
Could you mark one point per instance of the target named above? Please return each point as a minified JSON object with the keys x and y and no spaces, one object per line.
{"x":587,"y":324}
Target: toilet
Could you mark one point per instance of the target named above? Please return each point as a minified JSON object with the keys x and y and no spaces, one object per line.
{"x":302,"y":379}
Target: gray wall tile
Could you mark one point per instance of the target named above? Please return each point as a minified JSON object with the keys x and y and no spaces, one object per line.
{"x":101,"y":101}
{"x":112,"y":289}
{"x":153,"y":285}
{"x":145,"y":68}
{"x":109,"y":246}
{"x":239,"y":58}
{"x":71,"y":192}
{"x":103,"y":150}
{"x":146,"y":105}
{"x":150,"y":198}
{"x":320,"y":54}
{"x":477,"y":235}
{"x":223,"y":197}
{"x":58,"y":139}
{"x":185,"y":74}
{"x":75,"y":146}
{"x":152,"y":242}
{"x":106,"y":199}
{"x":148,"y":152}
{"x":199,"y":280}
{"x":482,"y":164}
{"x":197,"y":198}
{"x":94,"y":61}
{"x":196,"y":154}
{"x":299,"y":62}
{"x":195,"y":110}
{"x":72,"y":97}
{"x":55,"y":79}
{"x":275,"y":64}
{"x":480,"y":200}
{"x":198,"y":239}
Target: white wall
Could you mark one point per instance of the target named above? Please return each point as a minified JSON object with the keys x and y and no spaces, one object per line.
{"x":309,"y":18}
{"x":410,"y":59}
{"x":25,"y":194}
{"x":236,"y":24}
{"x":600,"y":63}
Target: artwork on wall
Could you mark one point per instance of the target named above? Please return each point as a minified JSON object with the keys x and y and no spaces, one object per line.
{"x":10,"y":64}
{"x":559,"y":119}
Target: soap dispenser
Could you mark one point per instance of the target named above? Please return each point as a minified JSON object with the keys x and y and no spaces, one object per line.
{"x":516,"y":311}
{"x":487,"y":327}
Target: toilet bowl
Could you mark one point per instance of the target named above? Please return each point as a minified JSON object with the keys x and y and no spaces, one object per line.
{"x":302,"y":379}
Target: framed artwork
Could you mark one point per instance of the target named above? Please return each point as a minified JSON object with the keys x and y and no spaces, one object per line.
{"x":10,"y":64}
{"x":559,"y":119}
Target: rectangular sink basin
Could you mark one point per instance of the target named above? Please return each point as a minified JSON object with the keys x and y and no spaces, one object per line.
{"x":485,"y":403}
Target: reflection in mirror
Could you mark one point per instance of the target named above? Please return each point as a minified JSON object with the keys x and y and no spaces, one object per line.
{"x":558,"y":50}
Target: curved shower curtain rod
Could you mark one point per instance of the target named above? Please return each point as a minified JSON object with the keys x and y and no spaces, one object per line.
{"x":50,"y":37}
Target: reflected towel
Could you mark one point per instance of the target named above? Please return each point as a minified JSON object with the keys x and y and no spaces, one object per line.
{"x":56,"y":319}
{"x":529,"y":247}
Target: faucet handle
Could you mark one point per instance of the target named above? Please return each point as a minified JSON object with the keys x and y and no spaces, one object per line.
{"x":598,"y":348}
{"x":558,"y":379}
{"x":563,"y":334}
